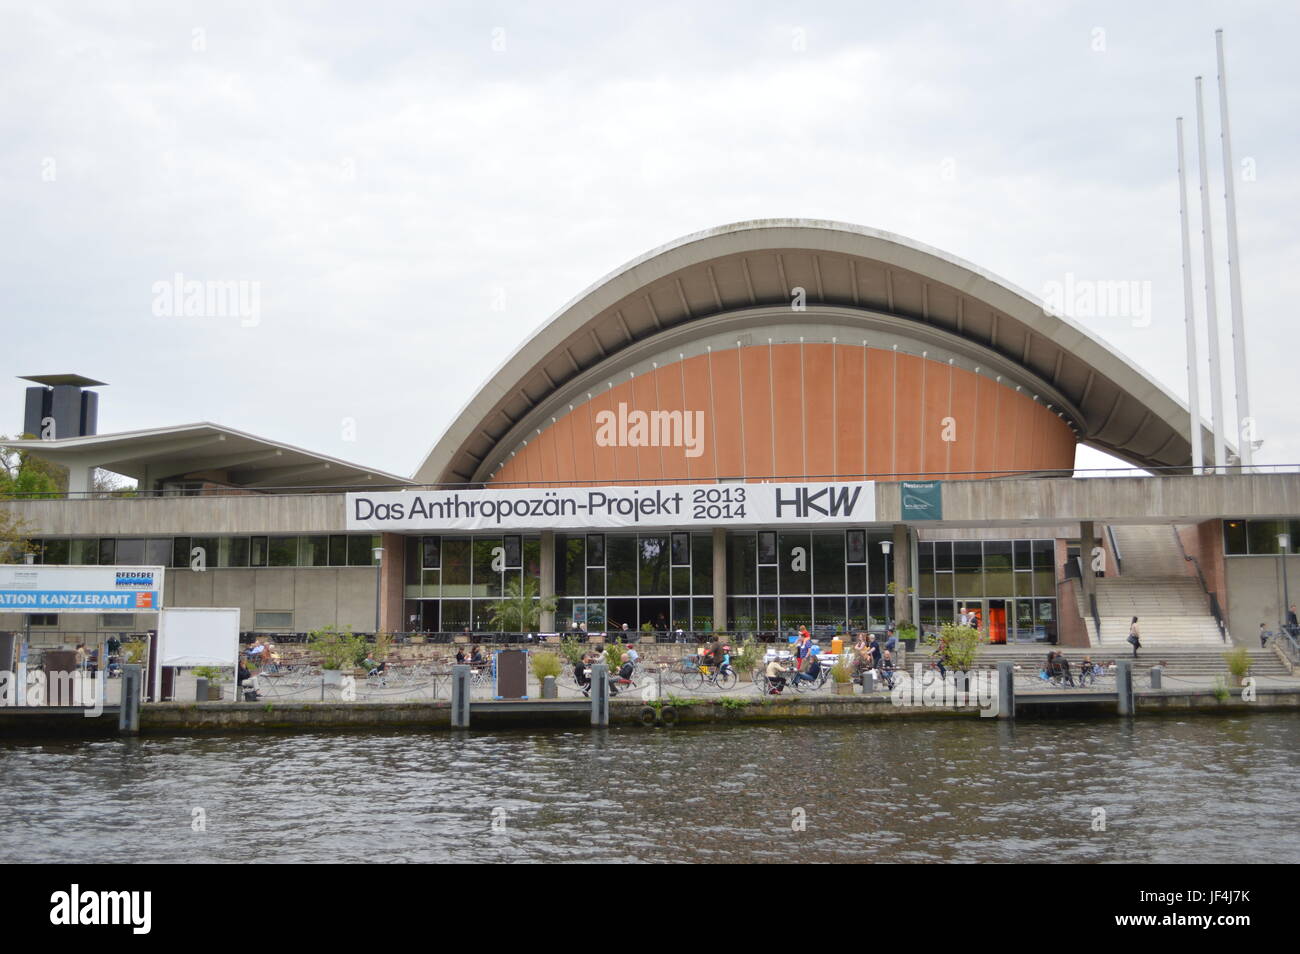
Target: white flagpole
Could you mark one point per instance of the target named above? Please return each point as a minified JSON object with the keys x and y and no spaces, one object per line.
{"x":1245,"y":426}
{"x":1189,"y":308}
{"x":1211,"y":309}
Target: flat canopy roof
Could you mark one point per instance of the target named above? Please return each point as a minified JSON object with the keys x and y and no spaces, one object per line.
{"x":52,"y":380}
{"x":206,"y":451}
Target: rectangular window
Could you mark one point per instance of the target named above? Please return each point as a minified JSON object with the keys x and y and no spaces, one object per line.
{"x":180,"y":552}
{"x":235,"y":551}
{"x":702,"y":564}
{"x":45,"y":619}
{"x":514,"y":551}
{"x":487,"y":581}
{"x":570,"y":565}
{"x":796,"y":570}
{"x":1234,"y":537}
{"x":361,"y":549}
{"x":130,"y":552}
{"x":595,"y":549}
{"x":828,"y":564}
{"x":107,"y":551}
{"x":856,"y":544}
{"x":85,"y":552}
{"x":742,"y":576}
{"x":767,"y":548}
{"x":274,"y":620}
{"x":653,"y":561}
{"x":158,"y":551}
{"x":56,"y":552}
{"x":431,"y":552}
{"x":314,"y":550}
{"x":455,"y":575}
{"x":283,"y":551}
{"x":116,"y":620}
{"x":681,"y":549}
{"x":338,"y":550}
{"x":257,"y":551}
{"x":621,"y":557}
{"x":211,"y":547}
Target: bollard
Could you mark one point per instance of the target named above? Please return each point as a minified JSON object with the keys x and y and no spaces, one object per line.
{"x":868,"y":681}
{"x":1157,"y":672}
{"x":460,"y":697}
{"x":1006,"y":690}
{"x":549,"y":689}
{"x":600,"y":695}
{"x":201,"y":689}
{"x":128,"y":713}
{"x":1124,"y":686}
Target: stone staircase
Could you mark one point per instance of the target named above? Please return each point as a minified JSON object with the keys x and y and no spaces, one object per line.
{"x":1152,"y":584}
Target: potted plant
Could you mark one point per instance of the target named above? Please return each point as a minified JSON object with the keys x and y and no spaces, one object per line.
{"x":958,"y":646}
{"x":906,"y":633}
{"x":215,"y":678}
{"x":1238,"y":660}
{"x":520,"y":609}
{"x":842,"y":674}
{"x":338,"y":650}
{"x":748,"y":657}
{"x":546,"y":664}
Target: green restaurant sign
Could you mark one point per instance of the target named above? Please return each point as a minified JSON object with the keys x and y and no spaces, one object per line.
{"x":922,"y":500}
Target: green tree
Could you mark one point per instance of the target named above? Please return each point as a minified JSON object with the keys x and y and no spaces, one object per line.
{"x":13,"y":538}
{"x":24,"y":475}
{"x":519,"y":609}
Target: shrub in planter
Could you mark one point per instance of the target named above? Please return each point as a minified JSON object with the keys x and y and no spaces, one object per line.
{"x":338,"y":649}
{"x":1238,"y":660}
{"x":546,"y":664}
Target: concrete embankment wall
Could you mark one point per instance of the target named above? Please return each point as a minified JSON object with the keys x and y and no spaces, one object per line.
{"x":217,"y":717}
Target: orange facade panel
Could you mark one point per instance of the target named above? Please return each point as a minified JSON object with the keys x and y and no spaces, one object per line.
{"x":794,"y":411}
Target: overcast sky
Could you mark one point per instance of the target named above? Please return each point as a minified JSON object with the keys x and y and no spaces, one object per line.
{"x":417,"y":186}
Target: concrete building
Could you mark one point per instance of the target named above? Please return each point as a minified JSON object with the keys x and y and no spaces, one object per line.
{"x":766,"y":425}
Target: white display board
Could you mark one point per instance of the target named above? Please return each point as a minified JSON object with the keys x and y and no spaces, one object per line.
{"x":680,"y":505}
{"x":197,"y":636}
{"x":29,"y":588}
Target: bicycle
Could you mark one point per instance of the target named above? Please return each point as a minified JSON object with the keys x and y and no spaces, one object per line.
{"x":721,"y":678}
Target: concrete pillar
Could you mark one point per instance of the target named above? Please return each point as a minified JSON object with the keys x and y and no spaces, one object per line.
{"x":546,"y":587}
{"x":201,"y":689}
{"x":128,"y":714}
{"x":460,"y":697}
{"x":719,"y":579}
{"x":392,"y":584}
{"x":1124,"y":686}
{"x":1157,"y":674}
{"x":902,"y":573}
{"x":1087,"y":540}
{"x":549,"y":689}
{"x":1006,"y":690}
{"x":600,"y":695}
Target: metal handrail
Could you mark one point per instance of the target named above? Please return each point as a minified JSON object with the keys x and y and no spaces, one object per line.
{"x":1114,"y":548}
{"x":1096,"y":617}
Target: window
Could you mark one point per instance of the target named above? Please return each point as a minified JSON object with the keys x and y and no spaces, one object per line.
{"x":257,"y":552}
{"x":273,"y":619}
{"x":595,"y":549}
{"x":283,"y":551}
{"x":235,"y":551}
{"x":45,"y":619}
{"x":681,"y":549}
{"x":514,"y":551}
{"x":314,"y":550}
{"x":360,"y":550}
{"x":180,"y":551}
{"x":116,"y":620}
{"x":856,"y":541}
{"x":107,"y":551}
{"x":431,"y":550}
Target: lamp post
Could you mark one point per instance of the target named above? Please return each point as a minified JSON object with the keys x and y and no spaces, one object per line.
{"x":378,"y":554}
{"x":885,"y":547}
{"x":1283,"y":544}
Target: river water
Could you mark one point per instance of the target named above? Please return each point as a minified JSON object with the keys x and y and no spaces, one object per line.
{"x":1204,"y":789}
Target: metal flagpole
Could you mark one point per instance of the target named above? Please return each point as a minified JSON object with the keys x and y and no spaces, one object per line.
{"x":1211,"y":309}
{"x":1245,"y":426}
{"x":1189,"y":307}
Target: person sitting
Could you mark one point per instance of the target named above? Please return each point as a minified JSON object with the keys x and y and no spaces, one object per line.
{"x":580,"y":675}
{"x":1061,"y":670}
{"x":887,"y":668}
{"x":808,"y":671}
{"x":775,"y":673}
{"x":625,"y":672}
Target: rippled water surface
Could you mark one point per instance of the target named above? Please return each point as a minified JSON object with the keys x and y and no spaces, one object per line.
{"x":1207,"y":789}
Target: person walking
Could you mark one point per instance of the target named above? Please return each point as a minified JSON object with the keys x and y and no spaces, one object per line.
{"x":1134,"y":637}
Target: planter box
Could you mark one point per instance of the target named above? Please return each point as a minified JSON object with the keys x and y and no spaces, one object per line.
{"x":843,"y":688}
{"x":215,"y":693}
{"x":418,"y":640}
{"x":333,"y":677}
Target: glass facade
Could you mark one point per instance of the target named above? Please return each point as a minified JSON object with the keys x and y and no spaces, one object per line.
{"x":452,"y":581}
{"x":344,"y":549}
{"x":606,"y":580}
{"x":1259,"y":537}
{"x":1010,"y":583}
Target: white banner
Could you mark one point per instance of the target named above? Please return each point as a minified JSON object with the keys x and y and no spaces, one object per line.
{"x":581,"y":508}
{"x":80,"y":589}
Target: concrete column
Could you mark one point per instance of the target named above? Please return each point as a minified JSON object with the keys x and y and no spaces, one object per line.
{"x":902,"y":573}
{"x":549,"y":689}
{"x":719,"y":578}
{"x":201,"y":689}
{"x":392,"y":584}
{"x":1087,"y":540}
{"x":128,"y":714}
{"x":546,"y":587}
{"x":1157,"y":673}
{"x":460,"y":697}
{"x":1006,"y":690}
{"x":1124,"y":685}
{"x":600,"y":695}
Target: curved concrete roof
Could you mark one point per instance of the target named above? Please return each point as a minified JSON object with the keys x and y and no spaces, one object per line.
{"x":882,"y":281}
